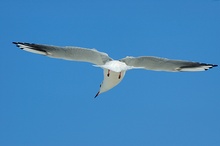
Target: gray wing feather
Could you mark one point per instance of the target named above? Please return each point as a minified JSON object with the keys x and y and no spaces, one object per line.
{"x":67,"y":53}
{"x":164,"y":64}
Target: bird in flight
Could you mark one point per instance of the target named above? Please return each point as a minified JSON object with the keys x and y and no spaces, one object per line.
{"x":114,"y":70}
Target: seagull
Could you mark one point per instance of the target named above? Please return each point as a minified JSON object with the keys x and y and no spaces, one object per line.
{"x":114,"y":70}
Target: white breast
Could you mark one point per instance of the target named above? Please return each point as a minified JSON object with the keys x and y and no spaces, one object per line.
{"x":115,"y":65}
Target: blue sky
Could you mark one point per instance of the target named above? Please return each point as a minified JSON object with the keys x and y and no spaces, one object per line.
{"x":45,"y":101}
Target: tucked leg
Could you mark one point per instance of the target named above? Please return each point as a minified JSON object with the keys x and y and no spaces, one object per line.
{"x":108,"y":73}
{"x":119,"y":75}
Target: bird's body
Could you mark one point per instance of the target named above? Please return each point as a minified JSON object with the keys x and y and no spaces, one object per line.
{"x":115,"y":65}
{"x":114,"y":70}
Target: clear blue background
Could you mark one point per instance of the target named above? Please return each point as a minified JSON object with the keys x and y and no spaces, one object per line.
{"x":45,"y":101}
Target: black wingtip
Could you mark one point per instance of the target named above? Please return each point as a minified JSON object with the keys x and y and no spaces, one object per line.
{"x":17,"y":44}
{"x":212,"y":65}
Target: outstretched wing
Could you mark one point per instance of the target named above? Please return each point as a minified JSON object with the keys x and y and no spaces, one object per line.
{"x":67,"y":53}
{"x":164,"y":64}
